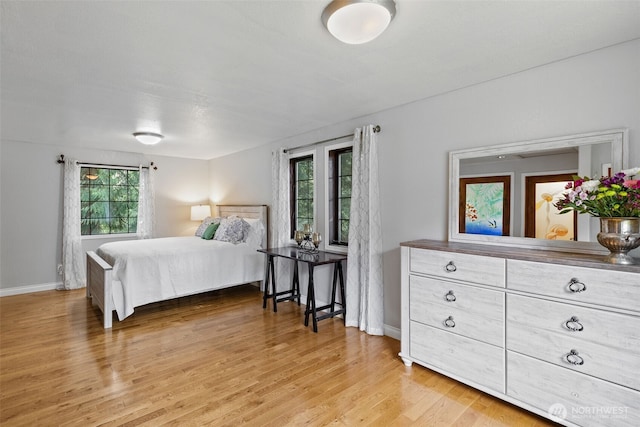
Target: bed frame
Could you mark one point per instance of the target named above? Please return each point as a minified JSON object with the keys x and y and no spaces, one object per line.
{"x":99,"y":272}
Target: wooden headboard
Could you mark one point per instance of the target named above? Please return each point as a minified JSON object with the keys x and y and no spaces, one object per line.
{"x":260,"y":212}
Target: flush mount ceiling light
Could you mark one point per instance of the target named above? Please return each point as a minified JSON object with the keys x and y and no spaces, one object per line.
{"x":148,"y":138}
{"x":358,"y":21}
{"x":92,"y":175}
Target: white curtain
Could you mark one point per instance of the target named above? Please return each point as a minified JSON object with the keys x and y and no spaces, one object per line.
{"x":73,"y":273}
{"x":281,"y":221}
{"x":364,"y":288}
{"x":280,"y":234}
{"x":146,"y":205}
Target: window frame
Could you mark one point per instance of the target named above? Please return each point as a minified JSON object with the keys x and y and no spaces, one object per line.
{"x":330,"y":189}
{"x":292,"y":185}
{"x":108,"y":235}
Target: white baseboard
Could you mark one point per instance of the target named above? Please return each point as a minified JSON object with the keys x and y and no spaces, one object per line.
{"x":389,"y":331}
{"x":392,"y":332}
{"x":17,"y":290}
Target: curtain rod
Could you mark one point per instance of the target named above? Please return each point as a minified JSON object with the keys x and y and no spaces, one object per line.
{"x":376,"y":129}
{"x":151,"y":165}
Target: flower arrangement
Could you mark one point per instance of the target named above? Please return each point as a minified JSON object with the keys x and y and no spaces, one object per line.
{"x":612,"y":196}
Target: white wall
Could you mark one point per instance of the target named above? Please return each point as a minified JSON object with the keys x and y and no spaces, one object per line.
{"x":591,"y":92}
{"x":31,"y":192}
{"x":242,"y":178}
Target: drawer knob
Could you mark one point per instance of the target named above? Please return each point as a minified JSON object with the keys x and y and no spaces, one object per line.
{"x":573,"y":358}
{"x":573,"y":324}
{"x":449,"y":323}
{"x":576,"y":286}
{"x":450,"y":296}
{"x":450,"y":268}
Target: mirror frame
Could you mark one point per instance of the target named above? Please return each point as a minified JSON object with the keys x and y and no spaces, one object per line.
{"x":619,"y":149}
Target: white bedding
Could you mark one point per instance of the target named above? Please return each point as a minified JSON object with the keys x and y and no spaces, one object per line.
{"x":146,"y":271}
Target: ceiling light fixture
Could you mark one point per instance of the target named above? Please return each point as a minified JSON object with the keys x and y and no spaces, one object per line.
{"x":92,"y":175}
{"x":148,"y":138}
{"x":358,"y":21}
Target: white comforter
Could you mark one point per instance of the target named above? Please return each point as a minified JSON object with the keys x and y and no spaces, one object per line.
{"x":146,"y":271}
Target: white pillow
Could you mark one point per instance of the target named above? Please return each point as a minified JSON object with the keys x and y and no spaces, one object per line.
{"x":256,"y":233}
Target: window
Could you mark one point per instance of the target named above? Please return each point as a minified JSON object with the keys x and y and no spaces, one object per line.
{"x":301,"y":169}
{"x":108,"y":201}
{"x":339,"y":179}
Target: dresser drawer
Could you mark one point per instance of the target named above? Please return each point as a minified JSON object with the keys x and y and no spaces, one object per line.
{"x":464,"y":357}
{"x":608,"y":343}
{"x":603,"y":287}
{"x":455,"y":266}
{"x":466,"y":310}
{"x":570,"y":395}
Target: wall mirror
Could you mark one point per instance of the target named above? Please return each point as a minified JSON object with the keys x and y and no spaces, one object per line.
{"x":504,"y":194}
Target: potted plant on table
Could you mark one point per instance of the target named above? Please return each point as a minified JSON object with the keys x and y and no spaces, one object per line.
{"x":615,"y":200}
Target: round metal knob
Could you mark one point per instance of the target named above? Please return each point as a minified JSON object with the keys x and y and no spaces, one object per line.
{"x":449,"y":323}
{"x":576,"y":286}
{"x":450,"y":297}
{"x":450,"y":267}
{"x":573,"y":358}
{"x":573,"y":324}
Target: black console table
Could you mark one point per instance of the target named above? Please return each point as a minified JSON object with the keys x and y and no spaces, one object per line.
{"x":293,"y":293}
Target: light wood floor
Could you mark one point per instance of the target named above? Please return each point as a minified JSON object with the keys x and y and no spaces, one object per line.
{"x":216,"y":359}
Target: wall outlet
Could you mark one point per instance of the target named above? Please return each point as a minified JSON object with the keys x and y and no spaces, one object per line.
{"x":59,"y":269}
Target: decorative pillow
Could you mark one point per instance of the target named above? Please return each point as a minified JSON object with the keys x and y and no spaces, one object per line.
{"x":205,"y":223}
{"x":210,"y":231}
{"x":255,"y":236}
{"x":233,"y":230}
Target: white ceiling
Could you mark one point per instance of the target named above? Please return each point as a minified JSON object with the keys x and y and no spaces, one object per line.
{"x":216,"y":77}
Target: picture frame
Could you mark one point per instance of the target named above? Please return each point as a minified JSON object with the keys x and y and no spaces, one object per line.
{"x":542,"y":219}
{"x":484,"y":205}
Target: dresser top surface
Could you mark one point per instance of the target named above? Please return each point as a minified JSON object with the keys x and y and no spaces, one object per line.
{"x":539,"y":255}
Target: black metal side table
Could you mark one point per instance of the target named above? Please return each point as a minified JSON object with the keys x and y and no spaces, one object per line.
{"x":293,"y":293}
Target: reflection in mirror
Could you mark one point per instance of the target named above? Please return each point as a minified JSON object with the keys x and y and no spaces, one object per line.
{"x":542,"y":220}
{"x":504,"y":194}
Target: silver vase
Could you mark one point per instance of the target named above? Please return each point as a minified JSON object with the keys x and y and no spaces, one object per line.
{"x":619,"y":235}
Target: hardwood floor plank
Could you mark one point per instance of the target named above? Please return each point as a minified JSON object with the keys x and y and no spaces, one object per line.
{"x":216,"y":359}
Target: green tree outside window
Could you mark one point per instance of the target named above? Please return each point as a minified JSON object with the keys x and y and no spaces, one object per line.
{"x":108,"y":201}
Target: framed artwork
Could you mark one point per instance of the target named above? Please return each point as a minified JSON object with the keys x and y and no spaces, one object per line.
{"x":484,"y":206}
{"x":542,"y":220}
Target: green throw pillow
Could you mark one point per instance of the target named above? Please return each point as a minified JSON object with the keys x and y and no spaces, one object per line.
{"x":210,"y":231}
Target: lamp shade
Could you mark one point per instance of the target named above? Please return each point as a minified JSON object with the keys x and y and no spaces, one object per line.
{"x":200,"y":212}
{"x":358,"y":21}
{"x":148,"y":138}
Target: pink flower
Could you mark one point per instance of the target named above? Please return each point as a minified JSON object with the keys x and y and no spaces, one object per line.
{"x":632,"y":183}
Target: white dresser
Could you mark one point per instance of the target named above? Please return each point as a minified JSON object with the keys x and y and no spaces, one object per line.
{"x":555,"y":333}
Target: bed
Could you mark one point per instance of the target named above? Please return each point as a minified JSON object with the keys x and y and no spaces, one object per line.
{"x":128,"y":274}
